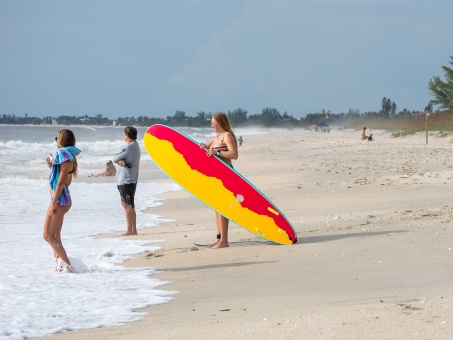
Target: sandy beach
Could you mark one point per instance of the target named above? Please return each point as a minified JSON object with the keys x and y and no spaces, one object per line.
{"x":374,"y":258}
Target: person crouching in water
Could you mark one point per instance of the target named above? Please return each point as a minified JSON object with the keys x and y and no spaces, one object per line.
{"x":224,"y":145}
{"x":63,"y":169}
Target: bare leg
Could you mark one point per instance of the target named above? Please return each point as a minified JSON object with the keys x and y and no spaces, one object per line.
{"x":217,"y":223}
{"x":52,"y":232}
{"x":58,"y":235}
{"x":131,"y":220}
{"x":223,"y":242}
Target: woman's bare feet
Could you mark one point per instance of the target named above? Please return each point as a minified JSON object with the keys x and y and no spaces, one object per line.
{"x":220,"y":245}
{"x":128,"y":234}
{"x":218,"y":240}
{"x":62,"y":267}
{"x":212,"y":245}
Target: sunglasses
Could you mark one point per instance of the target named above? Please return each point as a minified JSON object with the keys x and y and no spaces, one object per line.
{"x":56,"y":138}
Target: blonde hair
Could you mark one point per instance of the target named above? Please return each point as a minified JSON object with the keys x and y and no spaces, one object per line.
{"x":67,"y":138}
{"x":222,"y":119}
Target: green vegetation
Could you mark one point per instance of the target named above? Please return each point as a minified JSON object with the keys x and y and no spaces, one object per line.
{"x":441,"y":121}
{"x":387,"y":118}
{"x":443,"y":90}
{"x":403,"y":122}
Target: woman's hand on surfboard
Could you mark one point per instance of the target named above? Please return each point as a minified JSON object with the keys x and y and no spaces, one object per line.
{"x":202,"y":145}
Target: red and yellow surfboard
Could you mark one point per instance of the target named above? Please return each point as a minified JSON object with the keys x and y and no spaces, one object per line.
{"x":216,"y":184}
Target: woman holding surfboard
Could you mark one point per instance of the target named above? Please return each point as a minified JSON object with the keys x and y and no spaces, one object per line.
{"x":224,"y":145}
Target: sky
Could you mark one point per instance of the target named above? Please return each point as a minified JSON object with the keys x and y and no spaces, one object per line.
{"x":153,"y":57}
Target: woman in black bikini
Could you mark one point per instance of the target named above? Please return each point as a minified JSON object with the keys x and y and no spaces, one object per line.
{"x":224,"y":144}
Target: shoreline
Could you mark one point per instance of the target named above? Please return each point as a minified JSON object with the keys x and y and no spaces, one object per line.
{"x":373,"y":259}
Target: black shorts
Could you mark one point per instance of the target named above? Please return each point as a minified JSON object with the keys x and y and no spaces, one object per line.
{"x":127,"y":193}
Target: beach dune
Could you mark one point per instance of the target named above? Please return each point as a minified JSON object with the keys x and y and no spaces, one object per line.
{"x":374,"y":257}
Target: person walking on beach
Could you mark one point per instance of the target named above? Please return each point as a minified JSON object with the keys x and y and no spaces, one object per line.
{"x":63,"y":168}
{"x":240,"y":140}
{"x":224,"y":145}
{"x":128,"y":160}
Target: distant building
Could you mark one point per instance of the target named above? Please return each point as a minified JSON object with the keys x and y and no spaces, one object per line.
{"x":54,"y":122}
{"x":114,"y":123}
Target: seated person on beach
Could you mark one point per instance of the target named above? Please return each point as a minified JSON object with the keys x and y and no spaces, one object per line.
{"x":364,"y":136}
{"x":370,"y":137}
{"x":110,"y":170}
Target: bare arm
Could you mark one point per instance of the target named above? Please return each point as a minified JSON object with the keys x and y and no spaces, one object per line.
{"x":232,"y":152}
{"x":101,"y":174}
{"x":65,"y":168}
{"x":206,"y":145}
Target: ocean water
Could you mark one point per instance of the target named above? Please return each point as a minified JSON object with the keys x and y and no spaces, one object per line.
{"x":34,"y":299}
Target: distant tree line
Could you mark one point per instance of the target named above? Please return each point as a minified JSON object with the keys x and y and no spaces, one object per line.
{"x":269,"y":117}
{"x":442,"y":91}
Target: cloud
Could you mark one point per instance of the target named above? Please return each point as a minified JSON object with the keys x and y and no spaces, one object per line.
{"x":305,"y":56}
{"x":296,"y":56}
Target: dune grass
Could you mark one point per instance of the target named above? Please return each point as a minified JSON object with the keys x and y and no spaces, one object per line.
{"x":439,"y":122}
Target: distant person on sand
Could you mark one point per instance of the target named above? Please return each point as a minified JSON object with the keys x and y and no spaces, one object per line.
{"x":224,"y":145}
{"x":128,"y":160}
{"x":110,"y":170}
{"x":63,"y":168}
{"x":364,"y":136}
{"x":240,"y":140}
